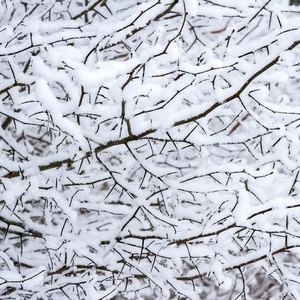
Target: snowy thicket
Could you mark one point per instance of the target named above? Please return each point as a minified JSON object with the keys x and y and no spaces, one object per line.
{"x":149,"y":149}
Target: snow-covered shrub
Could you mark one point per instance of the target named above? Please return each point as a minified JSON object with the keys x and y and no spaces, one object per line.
{"x":149,"y":149}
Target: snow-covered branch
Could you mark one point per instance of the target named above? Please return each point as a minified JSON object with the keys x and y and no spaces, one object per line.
{"x":149,"y":149}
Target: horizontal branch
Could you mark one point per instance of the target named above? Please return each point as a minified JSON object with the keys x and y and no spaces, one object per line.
{"x":26,"y":228}
{"x":131,"y":138}
{"x":244,"y":262}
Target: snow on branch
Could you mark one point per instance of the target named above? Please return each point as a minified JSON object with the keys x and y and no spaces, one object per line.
{"x":149,"y":149}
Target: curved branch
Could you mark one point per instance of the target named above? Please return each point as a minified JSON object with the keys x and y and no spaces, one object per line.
{"x":131,"y":138}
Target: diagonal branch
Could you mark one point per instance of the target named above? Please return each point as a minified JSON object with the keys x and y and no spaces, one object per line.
{"x":88,"y":9}
{"x":131,"y":138}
